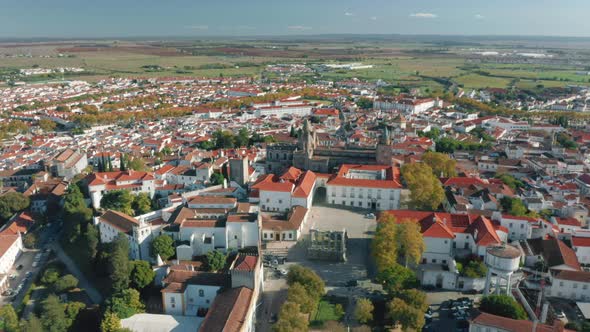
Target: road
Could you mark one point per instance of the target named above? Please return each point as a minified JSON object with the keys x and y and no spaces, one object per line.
{"x":84,"y":283}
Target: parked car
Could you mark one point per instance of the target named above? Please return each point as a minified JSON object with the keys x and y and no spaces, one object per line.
{"x":13,"y":276}
{"x":370,"y":215}
{"x":29,"y":274}
{"x":19,"y":267}
{"x":560,"y":315}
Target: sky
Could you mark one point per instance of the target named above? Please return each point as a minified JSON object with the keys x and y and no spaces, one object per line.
{"x":196,"y":18}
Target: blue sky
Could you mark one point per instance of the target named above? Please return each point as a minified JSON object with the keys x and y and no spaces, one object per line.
{"x":123,"y":18}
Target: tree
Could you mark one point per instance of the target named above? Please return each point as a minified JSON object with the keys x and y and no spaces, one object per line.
{"x":364,"y":310}
{"x":334,"y":326}
{"x":510,"y":181}
{"x":12,"y":203}
{"x":290,"y":319}
{"x":9,"y":318}
{"x":243,"y":138}
{"x":307,"y":278}
{"x":426,"y":192}
{"x":502,"y":305}
{"x":405,"y":315}
{"x":396,"y":278}
{"x":215,"y":260}
{"x":298,"y":294}
{"x":33,"y":324}
{"x":110,"y":322}
{"x":384,"y":245}
{"x":163,"y":245}
{"x":475,"y":269}
{"x":141,"y":274}
{"x":410,"y":242}
{"x":137,"y":164}
{"x":513,"y":206}
{"x":92,"y":241}
{"x":364,"y":103}
{"x":62,"y":108}
{"x":441,"y":164}
{"x":118,"y":200}
{"x":50,"y":276}
{"x":223,"y":139}
{"x":30,"y":240}
{"x":119,"y":263}
{"x":65,"y":283}
{"x":47,"y":125}
{"x":414,"y":298}
{"x":338,"y":310}
{"x":142,"y":204}
{"x":125,"y":303}
{"x":76,"y":214}
{"x":217,"y":179}
{"x":53,"y":315}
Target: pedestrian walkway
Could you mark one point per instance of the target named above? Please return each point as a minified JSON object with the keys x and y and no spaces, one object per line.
{"x":84,"y":283}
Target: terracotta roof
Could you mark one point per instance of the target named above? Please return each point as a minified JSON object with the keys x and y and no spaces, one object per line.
{"x":391,"y":180}
{"x":581,"y":276}
{"x":197,"y":278}
{"x":569,"y":221}
{"x":119,"y":220}
{"x":229,"y":311}
{"x":579,"y":241}
{"x":245,"y":263}
{"x":514,"y":325}
{"x":293,"y":221}
{"x":6,"y":241}
{"x":558,"y":253}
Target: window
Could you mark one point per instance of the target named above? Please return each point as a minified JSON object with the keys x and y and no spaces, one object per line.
{"x":446,"y":241}
{"x":172,"y":300}
{"x":434,"y":260}
{"x":521,"y":226}
{"x":268,"y":200}
{"x":510,"y":225}
{"x":280,"y":201}
{"x":173,"y":306}
{"x":575,"y":285}
{"x":264,"y":235}
{"x":290,"y":235}
{"x":561,"y":284}
{"x":235,"y":237}
{"x":201,"y":293}
{"x":584,"y":286}
{"x":444,"y":261}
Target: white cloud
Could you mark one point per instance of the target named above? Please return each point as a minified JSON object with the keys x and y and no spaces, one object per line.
{"x":479,"y":17}
{"x":373,"y":18}
{"x":298,"y":28}
{"x":198,"y":27}
{"x":348,"y":14}
{"x":424,"y":15}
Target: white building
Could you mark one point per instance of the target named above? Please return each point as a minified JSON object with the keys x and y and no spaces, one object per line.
{"x":11,"y":247}
{"x":405,"y":104}
{"x":134,"y":181}
{"x":365,"y":186}
{"x":281,"y":193}
{"x":275,"y":228}
{"x":571,"y":285}
{"x":68,"y":163}
{"x":140,"y":232}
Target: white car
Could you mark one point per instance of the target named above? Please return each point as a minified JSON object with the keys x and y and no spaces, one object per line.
{"x":370,"y":215}
{"x":561,"y":315}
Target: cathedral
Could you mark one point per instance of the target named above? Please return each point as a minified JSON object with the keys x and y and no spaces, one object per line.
{"x":308,"y":155}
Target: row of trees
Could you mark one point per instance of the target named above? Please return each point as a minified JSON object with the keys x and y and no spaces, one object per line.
{"x":395,"y":243}
{"x":305,"y":291}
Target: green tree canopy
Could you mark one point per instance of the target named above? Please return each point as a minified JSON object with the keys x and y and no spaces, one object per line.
{"x":441,"y":164}
{"x":215,"y":260}
{"x":118,"y":200}
{"x":405,"y":315}
{"x":9,"y":318}
{"x":119,"y":263}
{"x":65,"y":283}
{"x":12,"y":203}
{"x":216,"y":178}
{"x":426,"y":192}
{"x":142,"y":204}
{"x":163,"y":245}
{"x":502,"y":305}
{"x":298,"y":294}
{"x":33,"y":324}
{"x":396,"y":278}
{"x":363,"y":311}
{"x":290,"y":319}
{"x":384,"y":245}
{"x":307,"y":278}
{"x":110,"y":322}
{"x":410,"y":242}
{"x":125,"y":304}
{"x":141,"y":274}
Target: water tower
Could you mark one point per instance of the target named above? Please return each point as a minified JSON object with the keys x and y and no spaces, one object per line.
{"x":502,"y":261}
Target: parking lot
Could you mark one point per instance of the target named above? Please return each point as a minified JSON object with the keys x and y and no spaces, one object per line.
{"x":449,"y":314}
{"x":22,"y":274}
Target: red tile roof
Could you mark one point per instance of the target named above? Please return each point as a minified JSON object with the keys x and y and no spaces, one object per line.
{"x":514,"y":325}
{"x":391,"y":180}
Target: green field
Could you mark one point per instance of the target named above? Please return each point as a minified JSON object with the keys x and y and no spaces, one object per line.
{"x":404,"y":64}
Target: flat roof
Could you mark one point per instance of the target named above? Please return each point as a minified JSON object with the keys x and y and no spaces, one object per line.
{"x":160,"y":323}
{"x":584,"y":308}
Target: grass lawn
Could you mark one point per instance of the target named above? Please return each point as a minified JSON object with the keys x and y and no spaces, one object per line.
{"x":325,"y":312}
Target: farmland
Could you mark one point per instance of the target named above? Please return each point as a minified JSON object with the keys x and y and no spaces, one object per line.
{"x":405,"y":64}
